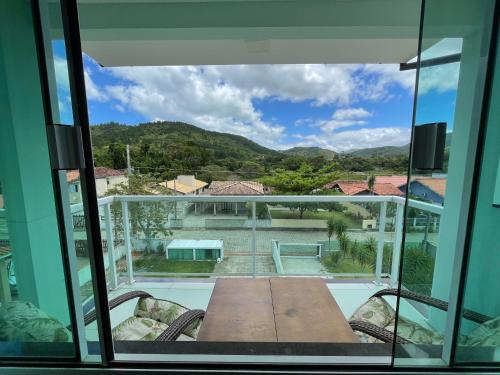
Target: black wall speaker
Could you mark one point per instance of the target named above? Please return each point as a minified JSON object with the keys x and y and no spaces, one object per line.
{"x":429,"y":141}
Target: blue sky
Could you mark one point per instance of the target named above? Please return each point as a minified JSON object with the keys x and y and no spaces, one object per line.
{"x":339,"y":107}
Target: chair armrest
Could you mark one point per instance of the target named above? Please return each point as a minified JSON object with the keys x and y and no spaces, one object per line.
{"x":117,"y":301}
{"x":178,"y":326}
{"x":431,"y":301}
{"x":377,"y":332}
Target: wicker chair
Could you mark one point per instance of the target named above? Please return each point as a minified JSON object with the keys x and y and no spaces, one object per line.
{"x":174,"y":330}
{"x":384,"y":335}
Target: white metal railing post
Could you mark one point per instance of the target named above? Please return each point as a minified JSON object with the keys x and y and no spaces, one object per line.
{"x":128,"y":245}
{"x":111,"y":246}
{"x":254,"y":244}
{"x":397,"y":246}
{"x":380,"y":244}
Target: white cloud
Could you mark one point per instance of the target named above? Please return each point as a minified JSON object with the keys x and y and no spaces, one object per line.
{"x":345,"y":117}
{"x":439,"y":78}
{"x":360,"y":138}
{"x":221,"y":98}
{"x":93,"y":91}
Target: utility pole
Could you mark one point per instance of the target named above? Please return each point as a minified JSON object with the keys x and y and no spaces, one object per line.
{"x":129,"y":167}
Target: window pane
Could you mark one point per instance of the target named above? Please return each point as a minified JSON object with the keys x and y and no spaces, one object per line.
{"x":34,"y":311}
{"x":479,"y":339}
{"x":437,"y":196}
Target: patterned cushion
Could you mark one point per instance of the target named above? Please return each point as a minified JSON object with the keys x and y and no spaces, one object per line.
{"x":24,"y":322}
{"x":379,"y":312}
{"x":152,"y":317}
{"x":487,"y":334}
{"x":161,"y":310}
{"x":136,"y":329}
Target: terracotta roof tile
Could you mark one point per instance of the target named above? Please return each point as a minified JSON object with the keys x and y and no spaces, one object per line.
{"x":361,"y":188}
{"x":437,"y":185}
{"x":235,"y":188}
{"x":100,"y":172}
{"x":397,"y":181}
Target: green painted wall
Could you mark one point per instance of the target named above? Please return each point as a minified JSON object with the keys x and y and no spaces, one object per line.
{"x":24,"y":166}
{"x":483,"y":273}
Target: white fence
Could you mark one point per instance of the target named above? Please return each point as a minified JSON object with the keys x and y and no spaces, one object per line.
{"x":383,"y":201}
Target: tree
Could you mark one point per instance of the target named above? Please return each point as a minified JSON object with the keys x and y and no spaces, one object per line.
{"x":117,"y":153}
{"x":147,"y":219}
{"x":300,"y":182}
{"x":261,"y":211}
{"x":371,"y":183}
{"x":330,"y":224}
{"x":251,"y":169}
{"x":368,"y":253}
{"x":354,"y":250}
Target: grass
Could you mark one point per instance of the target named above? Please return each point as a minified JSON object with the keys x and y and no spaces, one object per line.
{"x":346,"y":265}
{"x":316,"y":215}
{"x":155,"y":263}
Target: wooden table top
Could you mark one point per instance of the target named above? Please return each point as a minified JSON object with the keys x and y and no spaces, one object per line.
{"x":281,"y":309}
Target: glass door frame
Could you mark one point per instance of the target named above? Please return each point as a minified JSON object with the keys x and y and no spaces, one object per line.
{"x":462,"y":249}
{"x":80,"y":110}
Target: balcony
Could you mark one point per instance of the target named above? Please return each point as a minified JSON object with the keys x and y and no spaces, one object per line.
{"x":175,"y":247}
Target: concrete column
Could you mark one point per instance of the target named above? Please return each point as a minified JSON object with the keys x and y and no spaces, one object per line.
{"x":24,"y":162}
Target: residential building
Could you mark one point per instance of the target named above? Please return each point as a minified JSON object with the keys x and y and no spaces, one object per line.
{"x":398,"y":181}
{"x":185,"y":185}
{"x":231,"y":188}
{"x":361,"y":188}
{"x":235,"y":188}
{"x":105,"y":179}
{"x":428,"y":189}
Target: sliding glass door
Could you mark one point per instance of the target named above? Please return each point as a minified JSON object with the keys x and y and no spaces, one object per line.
{"x":454,"y":47}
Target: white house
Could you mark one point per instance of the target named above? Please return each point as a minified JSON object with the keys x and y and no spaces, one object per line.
{"x":105,"y":179}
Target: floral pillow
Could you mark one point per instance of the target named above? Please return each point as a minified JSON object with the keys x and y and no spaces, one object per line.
{"x":24,"y":322}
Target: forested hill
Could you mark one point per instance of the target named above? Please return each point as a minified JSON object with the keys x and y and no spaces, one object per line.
{"x":167,"y":149}
{"x":310,"y":152}
{"x":172,"y":133}
{"x":172,"y":148}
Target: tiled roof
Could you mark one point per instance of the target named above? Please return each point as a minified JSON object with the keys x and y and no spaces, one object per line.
{"x":397,"y":181}
{"x":72,"y":176}
{"x":361,"y":188}
{"x":100,"y":172}
{"x":184,"y":188}
{"x":235,"y":188}
{"x":437,"y":185}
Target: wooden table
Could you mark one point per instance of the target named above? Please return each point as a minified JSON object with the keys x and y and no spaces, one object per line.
{"x":284,"y":309}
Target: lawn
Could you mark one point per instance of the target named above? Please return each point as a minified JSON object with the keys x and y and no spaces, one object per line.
{"x":155,"y":263}
{"x":346,"y":265}
{"x":317,"y":215}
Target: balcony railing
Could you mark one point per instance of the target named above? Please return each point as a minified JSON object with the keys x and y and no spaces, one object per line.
{"x":250,"y":236}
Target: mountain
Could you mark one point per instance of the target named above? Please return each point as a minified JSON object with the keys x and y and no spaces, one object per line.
{"x":384,"y":151}
{"x":390,"y":151}
{"x":310,"y":152}
{"x":173,"y":136}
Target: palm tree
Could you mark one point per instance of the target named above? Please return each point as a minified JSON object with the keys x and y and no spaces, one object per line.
{"x":354,"y":250}
{"x":330,"y":224}
{"x":371,"y":183}
{"x":368,"y":253}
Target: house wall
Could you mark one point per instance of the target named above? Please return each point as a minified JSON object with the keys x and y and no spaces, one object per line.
{"x":106,"y":183}
{"x":423,"y":192}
